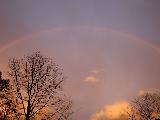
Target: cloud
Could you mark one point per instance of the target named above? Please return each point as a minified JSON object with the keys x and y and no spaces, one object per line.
{"x":112,"y":111}
{"x":90,"y":79}
{"x":143,"y":92}
{"x":94,"y":71}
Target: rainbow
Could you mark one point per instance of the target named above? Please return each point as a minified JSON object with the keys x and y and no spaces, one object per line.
{"x":131,"y":37}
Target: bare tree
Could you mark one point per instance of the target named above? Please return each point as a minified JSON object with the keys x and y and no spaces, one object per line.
{"x":37,"y":84}
{"x":145,"y":107}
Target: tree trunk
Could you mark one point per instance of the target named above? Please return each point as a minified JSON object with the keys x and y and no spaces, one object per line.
{"x":28,"y":111}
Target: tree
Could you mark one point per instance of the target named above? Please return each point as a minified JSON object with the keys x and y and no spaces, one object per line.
{"x":129,"y":113}
{"x":145,"y":107}
{"x":7,"y":105}
{"x":37,"y":84}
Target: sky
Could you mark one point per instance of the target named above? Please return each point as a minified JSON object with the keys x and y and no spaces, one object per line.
{"x":108,"y":49}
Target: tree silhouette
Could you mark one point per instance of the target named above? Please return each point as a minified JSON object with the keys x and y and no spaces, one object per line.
{"x":37,"y":84}
{"x":7,"y":105}
{"x":145,"y":107}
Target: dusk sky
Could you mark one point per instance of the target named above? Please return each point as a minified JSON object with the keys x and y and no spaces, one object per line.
{"x":108,"y":49}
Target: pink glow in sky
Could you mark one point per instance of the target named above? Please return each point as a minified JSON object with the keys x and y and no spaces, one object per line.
{"x":108,"y":49}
